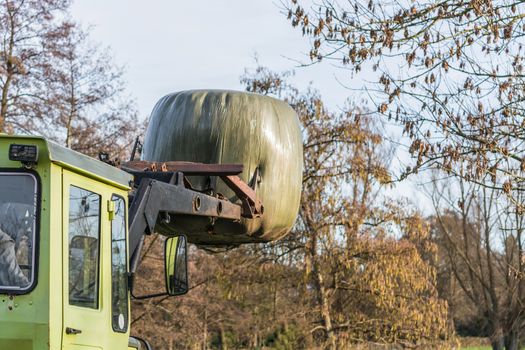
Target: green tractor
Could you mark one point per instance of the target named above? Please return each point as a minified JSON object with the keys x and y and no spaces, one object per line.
{"x":66,"y":279}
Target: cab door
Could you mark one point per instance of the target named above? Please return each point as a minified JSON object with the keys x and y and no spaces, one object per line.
{"x":86,"y":312}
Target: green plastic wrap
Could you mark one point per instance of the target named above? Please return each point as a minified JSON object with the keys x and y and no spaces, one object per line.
{"x":221,"y":127}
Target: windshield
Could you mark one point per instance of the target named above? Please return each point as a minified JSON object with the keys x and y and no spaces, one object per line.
{"x":18,"y":203}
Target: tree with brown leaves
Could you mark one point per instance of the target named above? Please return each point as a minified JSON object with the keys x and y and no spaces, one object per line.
{"x":26,"y":29}
{"x":450,"y":72}
{"x":55,"y":82}
{"x":363,"y":284}
{"x":88,"y":110}
{"x":480,"y":236}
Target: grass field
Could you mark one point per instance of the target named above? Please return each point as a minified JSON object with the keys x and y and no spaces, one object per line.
{"x":478,"y":348}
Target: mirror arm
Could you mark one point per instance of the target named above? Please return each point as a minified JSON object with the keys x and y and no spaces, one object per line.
{"x":131,"y":278}
{"x":135,"y":257}
{"x":147,"y":296}
{"x":131,"y":281}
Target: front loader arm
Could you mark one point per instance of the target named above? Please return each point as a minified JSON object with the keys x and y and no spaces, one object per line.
{"x":154,"y":198}
{"x":163,"y":190}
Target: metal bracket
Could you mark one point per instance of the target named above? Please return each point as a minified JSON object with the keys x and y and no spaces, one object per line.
{"x":251,"y":206}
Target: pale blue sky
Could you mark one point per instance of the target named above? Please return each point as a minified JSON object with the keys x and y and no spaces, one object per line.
{"x":168,"y":46}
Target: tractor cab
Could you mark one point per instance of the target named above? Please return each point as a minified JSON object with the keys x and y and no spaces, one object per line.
{"x":63,"y":248}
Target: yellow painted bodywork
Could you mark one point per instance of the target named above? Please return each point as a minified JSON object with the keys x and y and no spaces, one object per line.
{"x":37,"y":320}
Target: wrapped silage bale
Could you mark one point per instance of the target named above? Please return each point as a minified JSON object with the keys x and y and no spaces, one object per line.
{"x":225,"y":127}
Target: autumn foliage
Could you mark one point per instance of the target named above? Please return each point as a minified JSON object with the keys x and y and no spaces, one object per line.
{"x":450,"y":72}
{"x":55,"y":82}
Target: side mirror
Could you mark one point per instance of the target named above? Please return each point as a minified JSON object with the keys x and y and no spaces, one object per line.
{"x":176,"y":265}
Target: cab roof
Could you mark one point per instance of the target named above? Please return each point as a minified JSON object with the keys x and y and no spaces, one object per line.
{"x":75,"y":161}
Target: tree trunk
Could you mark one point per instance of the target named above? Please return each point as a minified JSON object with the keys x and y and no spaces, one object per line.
{"x":205,"y":329}
{"x":497,"y":344}
{"x":3,"y":102}
{"x":497,"y":339}
{"x":325,"y":310}
{"x":274,"y":302}
{"x":10,"y":73}
{"x":72,"y":108}
{"x":512,"y":340}
{"x":321,"y":295}
{"x":223,"y":342}
{"x":1,"y":123}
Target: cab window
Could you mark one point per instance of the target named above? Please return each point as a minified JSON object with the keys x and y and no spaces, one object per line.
{"x":119,"y":271}
{"x":84,"y":246}
{"x":18,"y":218}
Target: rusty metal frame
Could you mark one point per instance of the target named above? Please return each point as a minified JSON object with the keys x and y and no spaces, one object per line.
{"x":251,"y":205}
{"x":187,"y":168}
